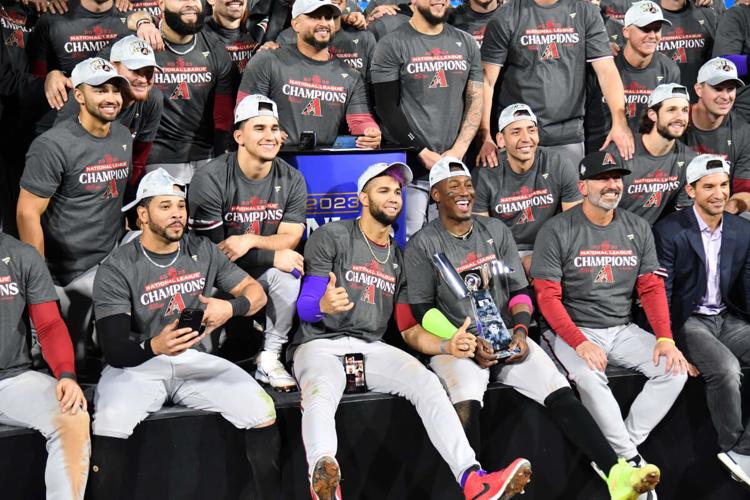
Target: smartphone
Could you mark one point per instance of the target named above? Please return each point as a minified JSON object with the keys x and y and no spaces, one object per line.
{"x":307,"y":140}
{"x":191,"y":318}
{"x":354,"y":367}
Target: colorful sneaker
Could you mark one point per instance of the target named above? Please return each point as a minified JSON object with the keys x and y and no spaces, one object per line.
{"x":626,"y":482}
{"x":503,"y":484}
{"x":324,"y":484}
{"x":271,"y":371}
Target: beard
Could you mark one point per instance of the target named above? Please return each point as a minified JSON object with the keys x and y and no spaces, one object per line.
{"x":430,"y":17}
{"x":176,"y":24}
{"x":382,"y":217}
{"x":664,"y":132}
{"x":162,"y":232}
{"x":318,"y":44}
{"x":597,"y":200}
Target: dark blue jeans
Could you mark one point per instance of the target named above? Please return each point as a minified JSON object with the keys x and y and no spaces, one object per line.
{"x":716,"y":345}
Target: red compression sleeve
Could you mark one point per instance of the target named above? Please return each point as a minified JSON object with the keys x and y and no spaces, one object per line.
{"x":549,"y":300}
{"x":53,"y":337}
{"x":404,"y":317}
{"x":359,"y":122}
{"x":39,"y":68}
{"x":223,"y":112}
{"x":241,"y":95}
{"x":741,"y":185}
{"x":141,"y":151}
{"x":653,"y":297}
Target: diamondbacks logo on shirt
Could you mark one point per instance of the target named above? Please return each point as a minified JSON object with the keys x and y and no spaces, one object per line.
{"x":434,"y":63}
{"x":316,"y":91}
{"x":8,"y":287}
{"x":15,"y":39}
{"x":104,"y":173}
{"x":522,"y":201}
{"x":548,"y":38}
{"x":603,"y":259}
{"x":91,"y":41}
{"x":652,"y":188}
{"x":183,"y":74}
{"x":370,"y":278}
{"x":439,"y":80}
{"x":170,"y":288}
{"x":111,"y":191}
{"x":679,"y":41}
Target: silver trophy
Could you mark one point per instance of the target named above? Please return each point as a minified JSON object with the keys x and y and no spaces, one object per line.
{"x":476,"y":285}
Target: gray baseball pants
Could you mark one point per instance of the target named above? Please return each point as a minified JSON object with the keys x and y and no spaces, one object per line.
{"x":282,"y":289}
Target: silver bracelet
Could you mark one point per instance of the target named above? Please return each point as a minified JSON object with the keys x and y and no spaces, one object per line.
{"x":443,"y":347}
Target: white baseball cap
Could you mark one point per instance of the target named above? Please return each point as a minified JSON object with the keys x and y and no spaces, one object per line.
{"x":441,"y":170}
{"x":515,"y":113}
{"x":668,"y":91}
{"x":156,"y":183}
{"x":644,"y":13}
{"x":704,"y":165}
{"x":96,"y":71}
{"x":255,"y":105}
{"x":378,"y":168}
{"x":133,"y":52}
{"x":308,"y":6}
{"x":718,"y":70}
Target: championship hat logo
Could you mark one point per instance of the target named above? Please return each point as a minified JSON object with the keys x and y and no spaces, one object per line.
{"x":98,"y":64}
{"x":723,"y":65}
{"x":139,"y":47}
{"x":609,"y":159}
{"x":649,"y":8}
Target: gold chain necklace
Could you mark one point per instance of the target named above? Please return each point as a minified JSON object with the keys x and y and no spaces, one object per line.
{"x":367,"y":242}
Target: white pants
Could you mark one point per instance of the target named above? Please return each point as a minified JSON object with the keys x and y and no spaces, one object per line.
{"x":29,"y":400}
{"x":627,"y":346}
{"x":418,"y":208}
{"x":126,"y":396}
{"x":536,"y":377}
{"x":320,"y":374}
{"x":282,"y":289}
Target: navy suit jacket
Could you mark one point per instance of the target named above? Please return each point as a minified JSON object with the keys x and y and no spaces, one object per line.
{"x":680,"y":249}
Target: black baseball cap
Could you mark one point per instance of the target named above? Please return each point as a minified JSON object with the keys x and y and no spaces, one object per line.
{"x":600,"y":162}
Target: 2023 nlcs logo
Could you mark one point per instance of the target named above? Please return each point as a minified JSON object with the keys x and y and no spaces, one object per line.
{"x":326,"y":207}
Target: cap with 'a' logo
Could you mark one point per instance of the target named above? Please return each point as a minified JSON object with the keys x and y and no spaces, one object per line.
{"x":601,"y":162}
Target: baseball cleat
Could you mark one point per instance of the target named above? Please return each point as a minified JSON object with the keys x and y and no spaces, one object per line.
{"x":326,"y":479}
{"x":733,"y":463}
{"x":271,"y":371}
{"x":626,"y":482}
{"x":503,"y":484}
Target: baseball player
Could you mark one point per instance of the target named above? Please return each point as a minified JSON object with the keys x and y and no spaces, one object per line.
{"x":472,"y":16}
{"x":688,"y":38}
{"x":733,"y":42}
{"x":706,"y":254}
{"x":423,"y":70}
{"x":197,"y":82}
{"x":530,"y":185}
{"x":470,"y":244}
{"x":141,"y":104}
{"x":252,"y":204}
{"x":55,"y":406}
{"x":542,"y":48}
{"x":142,"y":291}
{"x":641,"y":69}
{"x":355,"y":280}
{"x":72,"y":191}
{"x":714,"y":127}
{"x":352,"y":46}
{"x":656,"y":173}
{"x":587,"y":263}
{"x":314,"y":92}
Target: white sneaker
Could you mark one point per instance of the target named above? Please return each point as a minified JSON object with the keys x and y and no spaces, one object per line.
{"x":738,"y":465}
{"x":271,"y":371}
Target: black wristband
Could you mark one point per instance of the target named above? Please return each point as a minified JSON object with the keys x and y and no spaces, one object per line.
{"x":147,"y":348}
{"x":522,"y":318}
{"x":240,"y":305}
{"x":70,"y":375}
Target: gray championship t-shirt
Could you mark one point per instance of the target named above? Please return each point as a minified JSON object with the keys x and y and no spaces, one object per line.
{"x":374,"y":288}
{"x":84,"y":177}
{"x":543,"y":52}
{"x":434,"y":71}
{"x":310,"y":95}
{"x":638,"y":84}
{"x":24,"y":279}
{"x":689,"y":41}
{"x":474,"y":23}
{"x":387,"y":24}
{"x":526,"y":201}
{"x":656,"y":184}
{"x":490,"y":240}
{"x":128,"y":283}
{"x":238,"y":43}
{"x":597,"y":266}
{"x":221,"y":195}
{"x":731,"y":140}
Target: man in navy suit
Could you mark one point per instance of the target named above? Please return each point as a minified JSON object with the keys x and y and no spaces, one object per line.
{"x":706,"y":253}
